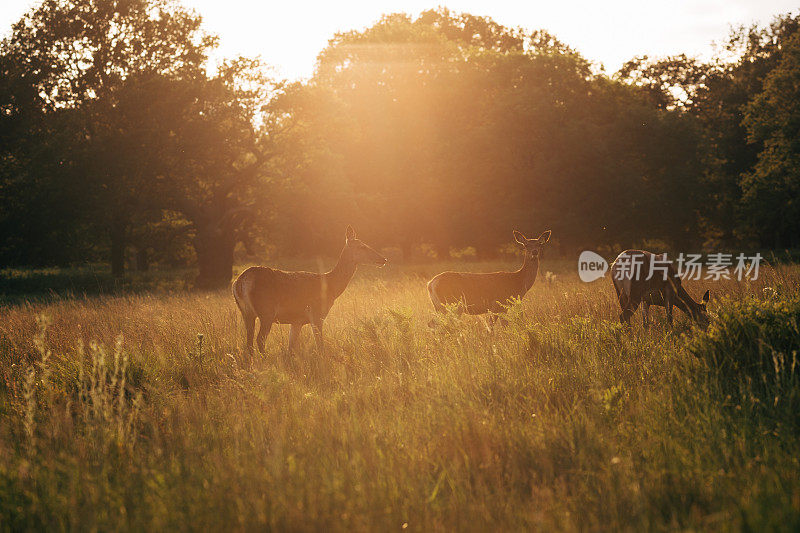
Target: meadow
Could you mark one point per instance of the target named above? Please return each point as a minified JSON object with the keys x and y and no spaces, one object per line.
{"x":131,"y":411}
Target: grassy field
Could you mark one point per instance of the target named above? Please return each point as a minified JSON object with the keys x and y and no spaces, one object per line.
{"x":131,"y":412}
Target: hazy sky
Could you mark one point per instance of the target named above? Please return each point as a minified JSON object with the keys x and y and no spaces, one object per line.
{"x":288,"y":34}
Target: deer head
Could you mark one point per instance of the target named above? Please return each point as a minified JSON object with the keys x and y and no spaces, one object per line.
{"x":532,"y":246}
{"x":360,"y":253}
{"x":700,"y":311}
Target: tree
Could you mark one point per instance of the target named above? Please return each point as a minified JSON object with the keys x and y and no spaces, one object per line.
{"x":771,"y":191}
{"x":215,"y":162}
{"x":420,"y":95}
{"x":671,"y":82}
{"x":84,"y":56}
{"x":43,"y":220}
{"x":728,"y":153}
{"x":451,"y":129}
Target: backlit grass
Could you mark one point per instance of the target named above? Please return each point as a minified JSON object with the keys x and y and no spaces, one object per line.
{"x":132,"y":412}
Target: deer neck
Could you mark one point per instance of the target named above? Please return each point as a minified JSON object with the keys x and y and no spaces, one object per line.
{"x":527,"y":272}
{"x":684,"y":300}
{"x":339,"y":277}
{"x":683,"y":306}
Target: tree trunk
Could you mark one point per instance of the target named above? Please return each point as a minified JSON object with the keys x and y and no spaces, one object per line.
{"x":142,"y":260}
{"x":214,"y":250}
{"x":118,"y":235}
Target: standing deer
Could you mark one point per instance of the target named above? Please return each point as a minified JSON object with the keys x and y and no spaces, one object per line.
{"x":297,"y":298}
{"x":629,"y":273}
{"x":482,"y":292}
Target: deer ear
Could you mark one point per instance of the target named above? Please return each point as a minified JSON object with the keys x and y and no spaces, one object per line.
{"x":350,"y":233}
{"x":519,"y":237}
{"x":706,"y":296}
{"x":544,"y":238}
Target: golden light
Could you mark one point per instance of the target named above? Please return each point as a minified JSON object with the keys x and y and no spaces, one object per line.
{"x":289,"y":35}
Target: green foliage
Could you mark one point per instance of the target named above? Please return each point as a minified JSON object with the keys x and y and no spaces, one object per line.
{"x":118,"y":126}
{"x":772,"y":189}
{"x":746,"y":190}
{"x":746,"y":203}
{"x":752,"y":351}
{"x":416,"y":118}
{"x":442,"y":130}
{"x":83,"y":102}
{"x":43,"y":284}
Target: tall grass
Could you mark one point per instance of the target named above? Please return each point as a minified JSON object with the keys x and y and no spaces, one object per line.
{"x":132,"y":412}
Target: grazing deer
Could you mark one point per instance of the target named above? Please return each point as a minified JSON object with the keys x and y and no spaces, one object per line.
{"x":478,"y":293}
{"x":297,"y":298}
{"x":630,"y":272}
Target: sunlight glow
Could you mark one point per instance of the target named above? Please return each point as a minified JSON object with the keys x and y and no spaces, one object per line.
{"x":289,"y":35}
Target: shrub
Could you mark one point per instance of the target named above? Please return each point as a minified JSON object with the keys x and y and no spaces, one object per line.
{"x":751,"y":350}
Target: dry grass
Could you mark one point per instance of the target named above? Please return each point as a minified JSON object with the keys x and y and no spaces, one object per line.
{"x":130,"y":412}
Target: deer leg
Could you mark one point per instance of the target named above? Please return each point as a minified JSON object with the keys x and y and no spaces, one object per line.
{"x":624,"y":316}
{"x":316,"y":327}
{"x":629,"y":307}
{"x":294,"y":336}
{"x":315,"y":320}
{"x":263,"y":331}
{"x":250,"y":326}
{"x":437,"y":303}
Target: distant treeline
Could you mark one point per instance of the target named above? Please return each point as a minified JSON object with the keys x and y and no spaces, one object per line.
{"x":120,"y":141}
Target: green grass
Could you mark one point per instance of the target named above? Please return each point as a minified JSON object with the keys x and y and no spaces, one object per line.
{"x":48,"y":284}
{"x":115,"y":413}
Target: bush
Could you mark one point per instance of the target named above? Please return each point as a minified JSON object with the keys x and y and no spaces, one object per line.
{"x":751,"y":350}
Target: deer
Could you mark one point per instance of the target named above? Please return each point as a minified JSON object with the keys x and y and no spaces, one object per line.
{"x":644,"y":277}
{"x":476,"y":293}
{"x":297,"y":298}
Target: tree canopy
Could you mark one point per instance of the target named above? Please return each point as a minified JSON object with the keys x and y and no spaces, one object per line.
{"x":438,"y":132}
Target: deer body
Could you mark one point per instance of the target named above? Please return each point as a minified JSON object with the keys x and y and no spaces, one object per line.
{"x":483,"y":292}
{"x":289,"y":297}
{"x":663,"y":288}
{"x":296,"y":298}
